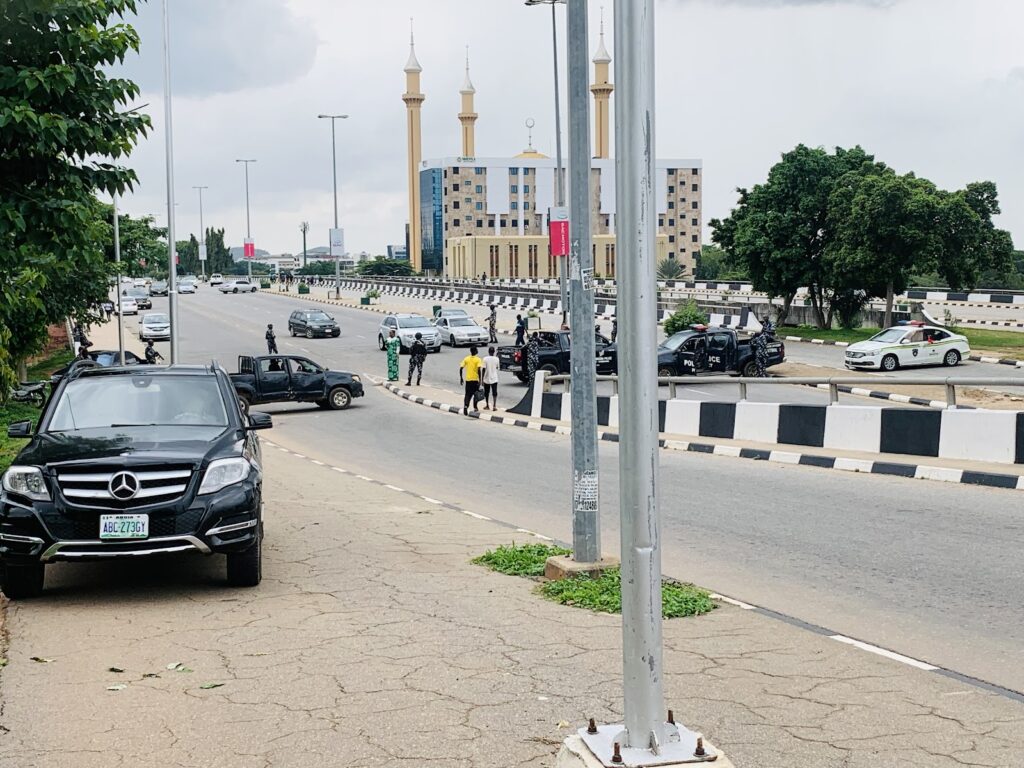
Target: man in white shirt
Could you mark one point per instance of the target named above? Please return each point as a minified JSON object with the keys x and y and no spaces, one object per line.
{"x":489,"y":373}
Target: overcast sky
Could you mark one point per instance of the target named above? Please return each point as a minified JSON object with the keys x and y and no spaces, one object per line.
{"x":933,"y":86}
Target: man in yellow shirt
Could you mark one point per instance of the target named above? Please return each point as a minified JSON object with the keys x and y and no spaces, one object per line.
{"x":469,"y":374}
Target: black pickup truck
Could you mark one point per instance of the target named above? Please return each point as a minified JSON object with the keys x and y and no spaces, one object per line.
{"x":289,"y":378}
{"x":702,"y":351}
{"x":553,"y":354}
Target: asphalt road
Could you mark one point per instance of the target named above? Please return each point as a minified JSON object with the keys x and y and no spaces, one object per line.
{"x":930,"y":570}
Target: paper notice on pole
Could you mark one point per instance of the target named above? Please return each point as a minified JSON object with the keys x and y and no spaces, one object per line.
{"x":202,"y":252}
{"x":337,"y":242}
{"x":587,"y":276}
{"x":584,"y":491}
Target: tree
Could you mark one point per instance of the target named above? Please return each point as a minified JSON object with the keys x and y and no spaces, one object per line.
{"x":318,"y":267}
{"x":715,"y":264}
{"x":218,"y":255}
{"x":143,"y":246}
{"x":778,"y":229}
{"x":685,"y":315}
{"x":385,"y":267}
{"x":63,"y":124}
{"x":670,"y":269}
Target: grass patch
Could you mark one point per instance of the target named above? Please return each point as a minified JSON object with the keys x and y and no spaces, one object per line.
{"x":520,"y":559}
{"x":10,"y":413}
{"x":604,"y":594}
{"x":42,"y":368}
{"x":982,"y":341}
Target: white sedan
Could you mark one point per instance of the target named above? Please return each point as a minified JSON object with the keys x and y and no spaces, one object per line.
{"x":907,"y":345}
{"x":237,"y":286}
{"x":128,"y":306}
{"x":459,"y":331}
{"x":186,"y":286}
{"x":155,"y":326}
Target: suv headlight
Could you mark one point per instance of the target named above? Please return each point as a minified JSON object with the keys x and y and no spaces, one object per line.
{"x":224,"y":472}
{"x":26,"y":481}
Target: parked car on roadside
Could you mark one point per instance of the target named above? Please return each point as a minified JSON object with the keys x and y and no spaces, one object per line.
{"x":312,"y":323}
{"x":128,"y":306}
{"x":134,"y":462}
{"x":237,"y":286}
{"x":155,"y":326}
{"x":406,"y":327}
{"x":908,"y":345}
{"x":105,"y":358}
{"x":456,"y":331}
{"x":216,"y":278}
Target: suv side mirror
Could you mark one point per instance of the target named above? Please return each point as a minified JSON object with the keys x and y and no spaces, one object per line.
{"x":20,"y":429}
{"x":259,"y":420}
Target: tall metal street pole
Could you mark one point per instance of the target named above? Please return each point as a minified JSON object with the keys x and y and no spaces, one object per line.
{"x":559,"y":172}
{"x":248,"y":221}
{"x":646,"y":736}
{"x":304,"y":228}
{"x":586,"y":521}
{"x":172,"y":266}
{"x":334,"y":171}
{"x":202,"y":233}
{"x":117,"y":290}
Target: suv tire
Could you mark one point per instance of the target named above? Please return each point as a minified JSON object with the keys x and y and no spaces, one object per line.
{"x":339,"y":399}
{"x":22,"y":581}
{"x":243,"y":400}
{"x":245,"y":568}
{"x":309,"y":333}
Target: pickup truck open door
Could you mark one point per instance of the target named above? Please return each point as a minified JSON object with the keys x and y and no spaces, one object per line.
{"x":721,"y":352}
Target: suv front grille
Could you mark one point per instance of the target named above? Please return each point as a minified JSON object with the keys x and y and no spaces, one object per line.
{"x":81,"y":526}
{"x":93,"y":487}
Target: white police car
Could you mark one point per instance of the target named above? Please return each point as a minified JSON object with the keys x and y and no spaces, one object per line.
{"x":906,"y":345}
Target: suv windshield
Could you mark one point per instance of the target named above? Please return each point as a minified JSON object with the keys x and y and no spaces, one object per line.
{"x":318,"y":317}
{"x":889,"y":335}
{"x":102,"y":402}
{"x":672,"y":343}
{"x":413,"y":322}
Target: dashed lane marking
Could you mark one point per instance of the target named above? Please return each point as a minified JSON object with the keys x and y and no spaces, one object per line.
{"x":883,"y":652}
{"x":474,"y":514}
{"x":318,"y":463}
{"x":732,"y":601}
{"x":431,"y":501}
{"x":394,"y":488}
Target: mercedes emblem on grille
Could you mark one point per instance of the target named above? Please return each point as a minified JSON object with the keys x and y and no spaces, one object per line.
{"x":123,"y":486}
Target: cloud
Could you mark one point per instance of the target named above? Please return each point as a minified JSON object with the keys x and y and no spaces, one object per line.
{"x":223,"y":46}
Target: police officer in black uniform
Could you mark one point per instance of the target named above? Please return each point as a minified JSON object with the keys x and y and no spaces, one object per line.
{"x":271,"y":340}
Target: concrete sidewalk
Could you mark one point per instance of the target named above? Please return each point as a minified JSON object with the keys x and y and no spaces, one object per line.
{"x":374,"y":642}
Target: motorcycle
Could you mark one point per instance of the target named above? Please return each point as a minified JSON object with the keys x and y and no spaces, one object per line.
{"x":33,"y":392}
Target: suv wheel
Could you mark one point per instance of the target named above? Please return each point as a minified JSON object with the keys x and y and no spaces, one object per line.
{"x":339,"y":399}
{"x":309,"y":333}
{"x":291,"y":330}
{"x":245,"y":568}
{"x":243,"y":400}
{"x":380,"y":342}
{"x":21,"y":581}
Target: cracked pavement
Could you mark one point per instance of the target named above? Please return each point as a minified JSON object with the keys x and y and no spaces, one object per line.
{"x":372,"y":641}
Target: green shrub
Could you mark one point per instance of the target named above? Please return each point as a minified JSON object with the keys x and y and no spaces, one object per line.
{"x":303,"y":288}
{"x":685,"y":315}
{"x":520,"y":559}
{"x":265,"y":284}
{"x":604,"y":594}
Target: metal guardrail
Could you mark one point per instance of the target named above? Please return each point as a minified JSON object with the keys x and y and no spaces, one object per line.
{"x":832,"y":382}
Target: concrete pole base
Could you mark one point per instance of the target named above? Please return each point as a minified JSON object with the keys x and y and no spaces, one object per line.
{"x":560,"y":567}
{"x":576,"y":754}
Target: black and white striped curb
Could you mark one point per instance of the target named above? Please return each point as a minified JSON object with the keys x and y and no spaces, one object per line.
{"x":996,"y":323}
{"x":766,"y":612}
{"x":861,"y":466}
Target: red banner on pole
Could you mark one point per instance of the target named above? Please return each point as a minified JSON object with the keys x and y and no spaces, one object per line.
{"x":249,"y":250}
{"x":558,"y":231}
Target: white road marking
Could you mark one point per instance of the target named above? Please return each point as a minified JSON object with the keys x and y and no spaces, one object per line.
{"x":394,"y":488}
{"x":694,"y":389}
{"x":474,"y":514}
{"x":298,"y":455}
{"x":339,"y":469}
{"x":319,"y":463}
{"x":430,"y":500}
{"x":364,"y":477}
{"x":731,"y":601}
{"x":883,"y":652}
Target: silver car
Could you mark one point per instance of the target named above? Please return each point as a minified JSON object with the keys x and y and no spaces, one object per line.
{"x":155,"y":326}
{"x":237,"y":286}
{"x":460,"y":331}
{"x":406,"y":328}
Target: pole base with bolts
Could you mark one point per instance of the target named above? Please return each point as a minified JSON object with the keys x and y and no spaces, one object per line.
{"x":578,"y":752}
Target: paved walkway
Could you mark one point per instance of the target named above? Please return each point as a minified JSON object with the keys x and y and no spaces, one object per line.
{"x":374,"y":642}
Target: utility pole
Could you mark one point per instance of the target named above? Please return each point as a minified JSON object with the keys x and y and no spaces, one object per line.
{"x":559,"y":172}
{"x":334,"y":232}
{"x":586,"y":520}
{"x":304,"y":228}
{"x":172,"y":265}
{"x":117,"y":290}
{"x":248,"y":222}
{"x":202,"y":234}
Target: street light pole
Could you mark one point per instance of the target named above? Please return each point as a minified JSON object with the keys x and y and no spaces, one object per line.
{"x":559,"y":174}
{"x":117,"y":290}
{"x":586,"y":522}
{"x":172,"y":266}
{"x":248,"y":222}
{"x":304,"y":228}
{"x":202,"y":233}
{"x":334,"y":171}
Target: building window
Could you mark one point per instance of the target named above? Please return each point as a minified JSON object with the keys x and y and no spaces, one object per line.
{"x":696,"y":171}
{"x":694,"y":187}
{"x":609,"y":260}
{"x":479,"y":189}
{"x":526,"y":205}
{"x":526,"y":171}
{"x":455,"y":204}
{"x":671,"y":188}
{"x":671,"y":204}
{"x":513,"y":171}
{"x":526,"y":189}
{"x":532,"y":260}
{"x":469,"y":200}
{"x":495,"y":261}
{"x":671,"y":254}
{"x":552,"y":263}
{"x":479,"y":171}
{"x":469,"y":220}
{"x":695,"y":205}
{"x":504,"y":223}
{"x":455,"y":171}
{"x":671,"y":238}
{"x":515,"y":206}
{"x":479,"y":223}
{"x":479,"y":206}
{"x":513,"y":261}
{"x":455,"y":187}
{"x":514,"y":189}
{"x":671,"y":171}
{"x":694,"y":238}
{"x":671,"y":222}
{"x":661,"y":222}
{"x":694,"y":222}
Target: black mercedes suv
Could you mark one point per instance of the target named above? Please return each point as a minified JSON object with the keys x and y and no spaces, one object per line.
{"x":130,"y":462}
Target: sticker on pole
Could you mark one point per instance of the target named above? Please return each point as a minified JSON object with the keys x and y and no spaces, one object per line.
{"x":558,"y":231}
{"x":587,"y":278}
{"x":584,"y":491}
{"x":249,"y":249}
{"x":337,"y":236}
{"x":202,"y":252}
